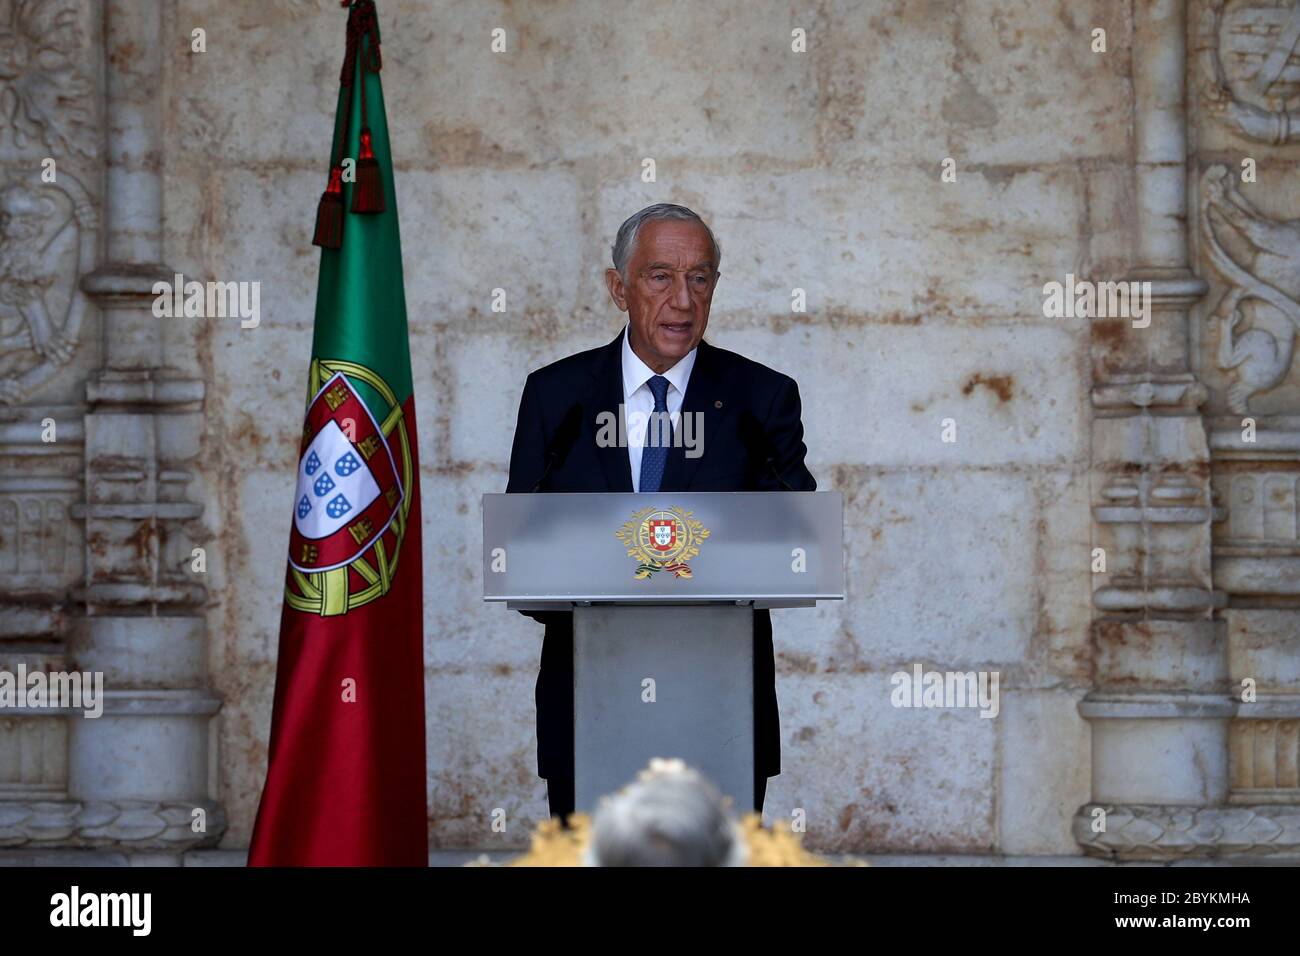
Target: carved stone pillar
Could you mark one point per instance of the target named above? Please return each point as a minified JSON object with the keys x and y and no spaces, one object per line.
{"x":1181,"y":766}
{"x":1159,"y":708}
{"x":139,"y":777}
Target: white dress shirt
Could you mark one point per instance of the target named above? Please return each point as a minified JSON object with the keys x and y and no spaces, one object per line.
{"x":639,"y":401}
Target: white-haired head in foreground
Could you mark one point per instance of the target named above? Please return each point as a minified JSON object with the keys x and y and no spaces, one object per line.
{"x":671,"y":816}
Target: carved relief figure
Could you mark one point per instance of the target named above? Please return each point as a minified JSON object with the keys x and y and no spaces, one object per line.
{"x":1260,"y":258}
{"x":45,"y":236}
{"x":25,"y":277}
{"x":46,"y":228}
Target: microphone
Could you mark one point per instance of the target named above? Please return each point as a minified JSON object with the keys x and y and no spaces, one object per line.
{"x":760,"y":446}
{"x":562,"y":443}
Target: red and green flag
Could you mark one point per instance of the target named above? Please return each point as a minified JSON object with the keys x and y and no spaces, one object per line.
{"x":346,"y":781}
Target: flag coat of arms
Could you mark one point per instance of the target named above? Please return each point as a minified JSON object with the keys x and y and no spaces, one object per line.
{"x":345,"y":783}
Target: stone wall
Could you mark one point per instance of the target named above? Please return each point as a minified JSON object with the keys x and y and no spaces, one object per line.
{"x":819,"y":170}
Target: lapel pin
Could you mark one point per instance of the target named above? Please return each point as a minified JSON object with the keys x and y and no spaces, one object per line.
{"x":718,"y":403}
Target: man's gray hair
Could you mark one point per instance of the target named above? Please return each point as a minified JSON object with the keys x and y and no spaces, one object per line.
{"x":674,"y":818}
{"x":625,"y":241}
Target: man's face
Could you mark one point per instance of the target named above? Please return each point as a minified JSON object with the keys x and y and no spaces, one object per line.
{"x":669,"y":288}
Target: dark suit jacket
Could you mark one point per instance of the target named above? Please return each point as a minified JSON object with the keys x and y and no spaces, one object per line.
{"x":722,"y":386}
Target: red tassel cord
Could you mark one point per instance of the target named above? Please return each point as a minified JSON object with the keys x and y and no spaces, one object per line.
{"x":368,"y":193}
{"x":329,"y":214}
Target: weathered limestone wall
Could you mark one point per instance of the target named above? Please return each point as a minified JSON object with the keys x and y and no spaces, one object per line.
{"x":820,"y":171}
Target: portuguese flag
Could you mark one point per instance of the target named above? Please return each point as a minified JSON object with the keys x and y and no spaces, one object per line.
{"x":346,"y":780}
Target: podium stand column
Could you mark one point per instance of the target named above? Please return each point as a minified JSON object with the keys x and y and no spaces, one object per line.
{"x":663,"y":681}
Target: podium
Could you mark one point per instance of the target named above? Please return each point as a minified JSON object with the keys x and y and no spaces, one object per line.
{"x":663,"y":589}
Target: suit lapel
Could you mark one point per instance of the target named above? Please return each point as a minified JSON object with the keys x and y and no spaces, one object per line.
{"x":607,"y":396}
{"x":705,"y":400}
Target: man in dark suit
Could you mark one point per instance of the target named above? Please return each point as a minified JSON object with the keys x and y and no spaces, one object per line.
{"x":746,"y":420}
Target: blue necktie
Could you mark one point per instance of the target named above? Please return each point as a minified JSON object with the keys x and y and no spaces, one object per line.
{"x":654,"y":454}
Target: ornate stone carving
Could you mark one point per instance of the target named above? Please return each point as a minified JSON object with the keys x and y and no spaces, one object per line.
{"x":45,"y":98}
{"x":40,"y":562}
{"x":1261,"y":508}
{"x":1263,"y":757}
{"x":47,"y":230}
{"x":1250,"y":68}
{"x":139,"y":825}
{"x":1147,"y":832}
{"x":1267,"y":290}
{"x":36,"y":543}
{"x":33,"y":762}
